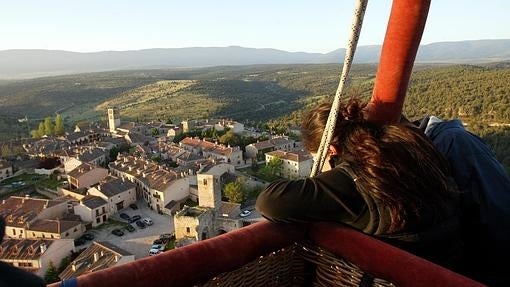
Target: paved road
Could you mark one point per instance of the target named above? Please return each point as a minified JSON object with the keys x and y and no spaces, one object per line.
{"x":139,"y":241}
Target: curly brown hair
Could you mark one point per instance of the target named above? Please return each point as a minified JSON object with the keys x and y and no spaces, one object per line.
{"x":397,"y":163}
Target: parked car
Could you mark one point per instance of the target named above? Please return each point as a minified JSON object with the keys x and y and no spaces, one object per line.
{"x":79,"y":241}
{"x":158,"y":241}
{"x":133,"y":206}
{"x":129,"y":228}
{"x":124,"y":216}
{"x":147,"y":220}
{"x":117,"y":232}
{"x":245,"y":213}
{"x":159,"y":247}
{"x":87,"y":236}
{"x":153,"y":252}
{"x":135,"y":218}
{"x":140,"y":224}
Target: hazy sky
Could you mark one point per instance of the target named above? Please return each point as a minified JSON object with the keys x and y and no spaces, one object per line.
{"x":292,"y":25}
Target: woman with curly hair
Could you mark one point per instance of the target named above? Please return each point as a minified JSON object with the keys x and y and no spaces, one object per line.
{"x":388,"y":181}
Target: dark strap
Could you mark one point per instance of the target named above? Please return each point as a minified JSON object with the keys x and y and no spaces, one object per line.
{"x":367,"y":280}
{"x":71,"y":282}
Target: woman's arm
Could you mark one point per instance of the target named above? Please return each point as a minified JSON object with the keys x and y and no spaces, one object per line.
{"x":330,"y":196}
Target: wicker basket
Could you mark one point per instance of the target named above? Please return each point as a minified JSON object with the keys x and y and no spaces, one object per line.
{"x":298,"y":265}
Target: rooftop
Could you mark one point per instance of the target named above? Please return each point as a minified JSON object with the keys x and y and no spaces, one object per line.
{"x":191,"y":211}
{"x":99,"y":255}
{"x":296,"y":156}
{"x":23,"y":249}
{"x":113,"y":186}
{"x":276,"y":141}
{"x":56,"y":226}
{"x":17,"y":211}
{"x":92,"y":202}
{"x":91,"y":155}
{"x":207,"y":146}
{"x":229,"y":210}
{"x":188,"y":156}
{"x":154,"y":175}
{"x":81,"y":170}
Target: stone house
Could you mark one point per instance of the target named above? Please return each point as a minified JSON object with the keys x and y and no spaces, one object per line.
{"x":118,"y":193}
{"x":295,"y":165}
{"x":258,"y":149}
{"x":35,"y":255}
{"x":86,"y":175}
{"x":21,"y":212}
{"x":93,"y":210}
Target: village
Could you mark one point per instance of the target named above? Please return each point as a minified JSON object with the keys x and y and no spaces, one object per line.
{"x":105,"y":195}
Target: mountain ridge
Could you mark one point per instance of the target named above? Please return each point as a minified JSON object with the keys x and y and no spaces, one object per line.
{"x":32,"y":63}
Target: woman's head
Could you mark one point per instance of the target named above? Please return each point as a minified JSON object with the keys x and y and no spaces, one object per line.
{"x":397,"y":163}
{"x":314,"y":123}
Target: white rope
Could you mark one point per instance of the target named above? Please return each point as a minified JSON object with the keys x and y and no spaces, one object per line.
{"x":357,"y":22}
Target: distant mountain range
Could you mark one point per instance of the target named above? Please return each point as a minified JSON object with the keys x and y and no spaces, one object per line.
{"x":15,"y":64}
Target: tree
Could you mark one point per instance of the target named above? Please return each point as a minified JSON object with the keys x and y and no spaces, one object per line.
{"x":35,"y":134}
{"x":272,"y":170}
{"x":51,"y":275}
{"x":234,"y":191}
{"x":49,"y":127}
{"x":276,"y":165}
{"x":154,"y":131}
{"x":40,"y":130}
{"x":230,"y":138}
{"x":59,"y":125}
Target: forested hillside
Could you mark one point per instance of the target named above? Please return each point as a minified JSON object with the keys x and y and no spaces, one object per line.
{"x":273,"y":94}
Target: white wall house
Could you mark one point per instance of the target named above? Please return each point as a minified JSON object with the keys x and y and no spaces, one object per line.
{"x":157,"y":185}
{"x":93,"y":210}
{"x":34,"y":255}
{"x":118,"y":193}
{"x":86,"y":175}
{"x":294,"y":164}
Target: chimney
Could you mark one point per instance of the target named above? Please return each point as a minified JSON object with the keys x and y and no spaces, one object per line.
{"x":96,"y":256}
{"x":117,"y":258}
{"x":43,"y":247}
{"x":73,"y":267}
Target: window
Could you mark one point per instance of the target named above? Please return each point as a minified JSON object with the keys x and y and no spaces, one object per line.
{"x":205,"y":181}
{"x":67,"y":233}
{"x":51,"y":236}
{"x":188,"y":230}
{"x":97,"y":212}
{"x":21,"y":231}
{"x":98,"y":220}
{"x":24,"y":264}
{"x":13,"y":231}
{"x":33,"y":234}
{"x":104,"y":210}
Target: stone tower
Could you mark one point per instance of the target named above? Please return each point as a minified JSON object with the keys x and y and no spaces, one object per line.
{"x":209,"y":191}
{"x":113,"y":119}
